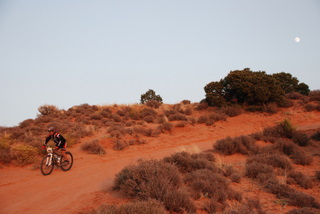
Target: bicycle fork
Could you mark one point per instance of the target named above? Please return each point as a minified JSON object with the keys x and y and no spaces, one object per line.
{"x":49,"y":160}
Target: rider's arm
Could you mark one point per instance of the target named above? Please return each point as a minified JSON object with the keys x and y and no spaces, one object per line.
{"x":47,"y":140}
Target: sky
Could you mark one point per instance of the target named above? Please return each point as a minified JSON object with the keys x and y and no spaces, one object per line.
{"x":105,"y":52}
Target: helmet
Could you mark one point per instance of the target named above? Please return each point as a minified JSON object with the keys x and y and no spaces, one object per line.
{"x":51,"y":129}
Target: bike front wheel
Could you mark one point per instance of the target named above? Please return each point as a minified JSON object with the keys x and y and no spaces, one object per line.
{"x":66,"y":165}
{"x":47,"y":165}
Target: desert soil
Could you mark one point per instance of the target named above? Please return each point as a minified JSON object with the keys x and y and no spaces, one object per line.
{"x":88,"y":184}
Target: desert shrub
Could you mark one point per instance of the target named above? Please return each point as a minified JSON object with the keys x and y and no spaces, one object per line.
{"x":212,"y":206}
{"x":165,"y":127}
{"x":26,"y":123}
{"x":153,"y":104}
{"x":23,"y":154}
{"x":219,"y":116}
{"x":293,"y":151}
{"x":116,"y":118}
{"x":187,"y":162}
{"x":149,"y":119}
{"x":304,"y":210}
{"x":301,"y":199}
{"x":178,"y":201}
{"x":274,"y":160}
{"x":139,"y":207}
{"x":242,"y":145}
{"x":232,"y":111}
{"x":203,"y":119}
{"x":48,"y":110}
{"x":244,"y":207}
{"x":310,"y":107}
{"x":152,"y":179}
{"x":257,"y":171}
{"x":255,"y":108}
{"x":314,"y":95}
{"x":233,"y":174}
{"x":300,"y":179}
{"x":294,"y":95}
{"x":212,"y":185}
{"x":119,"y":145}
{"x":202,"y":106}
{"x":4,"y":153}
{"x":177,"y":117}
{"x":148,"y":112}
{"x":300,"y":138}
{"x":283,"y":129}
{"x":18,"y":135}
{"x":271,"y":108}
{"x":285,"y":103}
{"x":316,"y":136}
{"x":93,"y":147}
{"x":181,"y":124}
{"x":295,"y":198}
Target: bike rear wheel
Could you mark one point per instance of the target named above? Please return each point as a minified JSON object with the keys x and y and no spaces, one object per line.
{"x":47,"y":165}
{"x":65,"y":166}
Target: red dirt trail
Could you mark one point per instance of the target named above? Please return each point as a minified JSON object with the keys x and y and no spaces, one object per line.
{"x":88,"y":183}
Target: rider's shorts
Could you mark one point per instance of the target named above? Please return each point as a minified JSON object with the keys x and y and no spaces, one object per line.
{"x":62,"y":146}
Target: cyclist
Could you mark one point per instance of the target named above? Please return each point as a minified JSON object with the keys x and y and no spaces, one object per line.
{"x":60,"y":141}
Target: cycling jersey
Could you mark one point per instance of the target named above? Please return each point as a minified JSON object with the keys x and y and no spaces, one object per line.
{"x":59,"y":140}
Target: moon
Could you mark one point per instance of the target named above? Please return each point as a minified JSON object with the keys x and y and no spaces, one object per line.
{"x":297,"y":39}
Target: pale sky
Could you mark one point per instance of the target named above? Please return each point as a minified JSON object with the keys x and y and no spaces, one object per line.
{"x":67,"y":53}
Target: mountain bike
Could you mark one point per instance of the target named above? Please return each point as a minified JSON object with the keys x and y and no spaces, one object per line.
{"x":54,"y":159}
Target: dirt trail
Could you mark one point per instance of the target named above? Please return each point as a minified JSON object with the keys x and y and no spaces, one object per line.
{"x":23,"y":190}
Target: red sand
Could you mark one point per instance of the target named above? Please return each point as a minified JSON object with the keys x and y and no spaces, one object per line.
{"x":87,"y":185}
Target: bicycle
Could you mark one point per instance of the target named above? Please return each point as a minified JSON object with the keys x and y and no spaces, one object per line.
{"x":52,"y":158}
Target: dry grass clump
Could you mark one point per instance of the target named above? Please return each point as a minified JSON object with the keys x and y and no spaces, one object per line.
{"x":23,"y":154}
{"x":207,"y":183}
{"x":187,"y":162}
{"x":300,"y":179}
{"x":5,"y":152}
{"x":264,"y":174}
{"x":271,"y":108}
{"x":120,"y":145}
{"x":156,"y":180}
{"x":93,"y":147}
{"x":242,"y":145}
{"x":165,"y":127}
{"x":291,"y":150}
{"x":244,"y":207}
{"x":138,"y":207}
{"x":300,"y":138}
{"x":232,"y":111}
{"x":283,"y":129}
{"x":314,"y":95}
{"x":153,"y":104}
{"x":274,"y":160}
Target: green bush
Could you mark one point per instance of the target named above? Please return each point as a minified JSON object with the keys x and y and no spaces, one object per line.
{"x":150,"y":95}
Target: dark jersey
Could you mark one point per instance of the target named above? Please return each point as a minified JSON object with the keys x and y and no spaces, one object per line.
{"x":57,"y":138}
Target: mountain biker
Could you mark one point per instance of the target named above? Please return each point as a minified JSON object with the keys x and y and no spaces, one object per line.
{"x":60,"y":141}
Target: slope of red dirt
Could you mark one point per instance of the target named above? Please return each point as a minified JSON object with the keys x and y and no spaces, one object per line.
{"x":88,"y":184}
